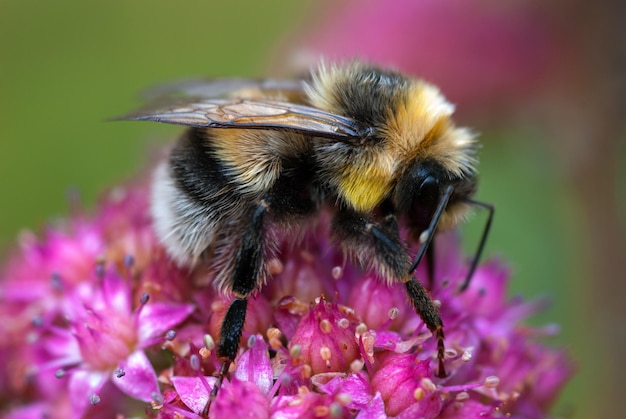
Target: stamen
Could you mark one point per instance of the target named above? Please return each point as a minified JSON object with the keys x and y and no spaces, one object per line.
{"x":492,"y":381}
{"x":251,"y":341}
{"x":94,"y":399}
{"x":129,"y":260}
{"x":419,"y":394}
{"x":56,"y":282}
{"x":295,"y":351}
{"x":208,"y":342}
{"x":393,"y":313}
{"x":462,"y":396}
{"x":194,"y":362}
{"x":326,"y":326}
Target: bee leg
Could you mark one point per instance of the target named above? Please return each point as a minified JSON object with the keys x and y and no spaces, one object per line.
{"x":425,"y":307}
{"x":379,"y":244}
{"x":430,"y":265}
{"x":419,"y":297}
{"x":247,"y":271}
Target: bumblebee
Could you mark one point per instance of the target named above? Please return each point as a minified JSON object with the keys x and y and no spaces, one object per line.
{"x":375,"y":146}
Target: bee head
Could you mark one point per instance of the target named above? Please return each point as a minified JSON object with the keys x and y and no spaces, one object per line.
{"x":420,"y":189}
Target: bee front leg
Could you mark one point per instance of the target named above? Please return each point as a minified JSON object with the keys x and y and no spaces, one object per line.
{"x":245,"y":277}
{"x":378,"y":244}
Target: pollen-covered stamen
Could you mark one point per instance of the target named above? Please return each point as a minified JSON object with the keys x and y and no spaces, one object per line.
{"x":100,"y":269}
{"x":419,"y":393}
{"x":462,"y":396}
{"x":56,"y":282}
{"x":393,"y":313}
{"x":325,"y":326}
{"x":366,"y":346}
{"x":450,"y":353}
{"x":492,"y":381}
{"x":428,"y":385}
{"x":251,"y":341}
{"x":194,"y":362}
{"x":157,"y":400}
{"x":208,"y":342}
{"x":273,"y":337}
{"x":129,"y":261}
{"x":295,"y":351}
{"x":170,"y":335}
{"x":94,"y":399}
{"x":335,"y":410}
{"x":37,"y":321}
{"x":143,"y":300}
{"x":326,"y":354}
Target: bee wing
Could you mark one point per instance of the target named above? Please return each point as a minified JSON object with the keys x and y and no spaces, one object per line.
{"x":201,"y":89}
{"x":255,"y":114}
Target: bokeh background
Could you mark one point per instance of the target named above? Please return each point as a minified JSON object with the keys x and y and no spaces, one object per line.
{"x":543,"y":84}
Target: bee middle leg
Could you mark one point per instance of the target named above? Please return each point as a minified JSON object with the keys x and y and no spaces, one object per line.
{"x":377,"y":243}
{"x":245,"y":276}
{"x":285,"y":202}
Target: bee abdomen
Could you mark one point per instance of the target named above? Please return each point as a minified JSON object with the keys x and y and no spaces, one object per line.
{"x":191,"y":193}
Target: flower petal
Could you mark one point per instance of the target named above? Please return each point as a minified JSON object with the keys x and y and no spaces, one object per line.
{"x":254,"y":365}
{"x":375,"y":410}
{"x":83,"y":385}
{"x":193,"y":393}
{"x":139,"y":379}
{"x":356,"y":385}
{"x":157,"y":318}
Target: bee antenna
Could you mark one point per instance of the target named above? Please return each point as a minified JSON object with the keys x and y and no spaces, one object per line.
{"x":483,"y":240}
{"x":427,"y":236}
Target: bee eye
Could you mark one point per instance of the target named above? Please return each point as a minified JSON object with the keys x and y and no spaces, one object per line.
{"x":428,"y":190}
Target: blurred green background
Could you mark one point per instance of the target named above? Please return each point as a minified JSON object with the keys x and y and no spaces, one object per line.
{"x":66,"y":66}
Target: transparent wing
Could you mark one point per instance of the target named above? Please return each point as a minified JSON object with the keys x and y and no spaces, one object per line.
{"x":254,"y":114}
{"x":289,"y":90}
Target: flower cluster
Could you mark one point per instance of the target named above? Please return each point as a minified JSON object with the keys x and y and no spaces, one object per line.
{"x":98,"y":322}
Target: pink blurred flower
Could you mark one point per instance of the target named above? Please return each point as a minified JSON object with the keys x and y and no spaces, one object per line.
{"x":479,"y":52}
{"x":93,"y":308}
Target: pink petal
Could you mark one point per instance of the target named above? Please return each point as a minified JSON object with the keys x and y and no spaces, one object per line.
{"x":84,"y":384}
{"x":34,"y":410}
{"x":157,"y":318}
{"x":193,"y":393}
{"x":394,"y":342}
{"x":139,"y":380}
{"x":254,"y":366}
{"x":356,"y":385}
{"x":116,"y":293}
{"x":375,"y":410}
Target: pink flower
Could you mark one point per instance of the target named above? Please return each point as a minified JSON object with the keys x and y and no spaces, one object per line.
{"x":103,"y":323}
{"x":479,"y":52}
{"x":325,"y":339}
